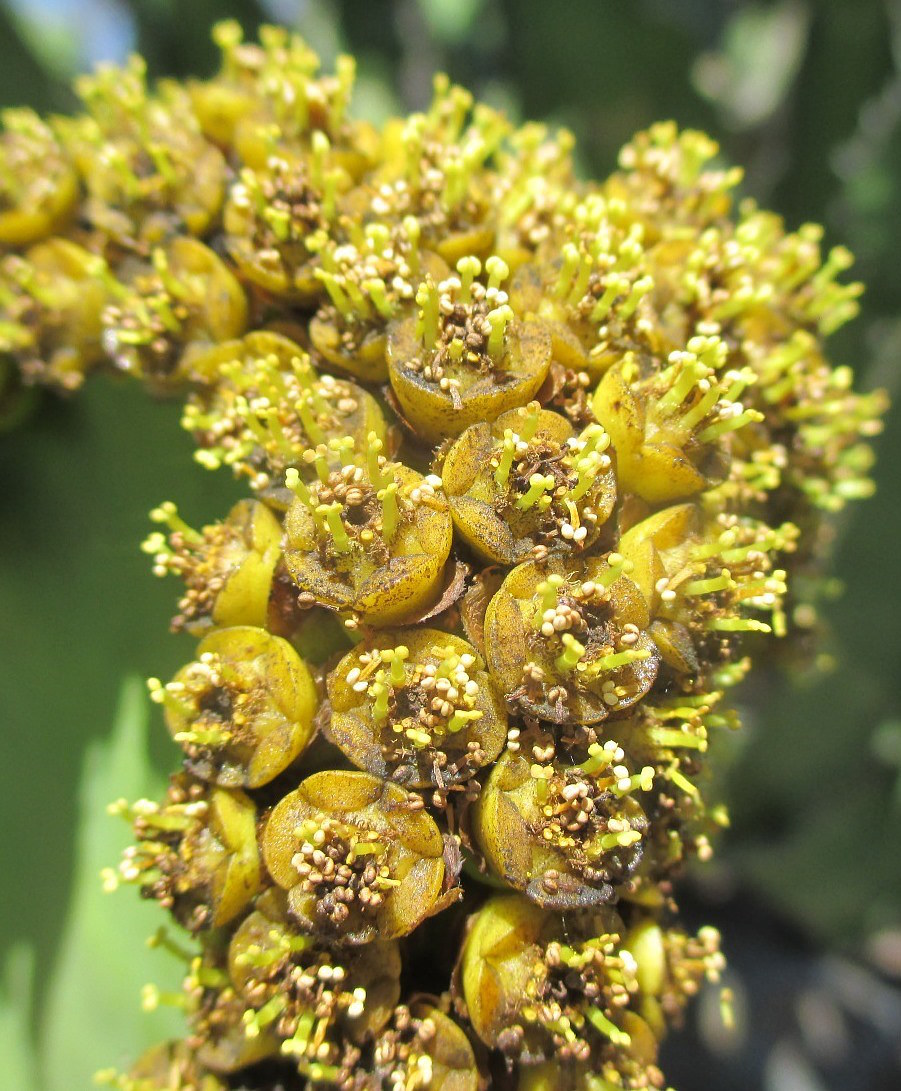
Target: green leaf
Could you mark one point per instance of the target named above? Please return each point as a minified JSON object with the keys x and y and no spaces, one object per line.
{"x":16,"y":1047}
{"x":93,"y":1018}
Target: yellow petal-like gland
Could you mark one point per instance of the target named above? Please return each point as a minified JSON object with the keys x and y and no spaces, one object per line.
{"x":384,"y":581}
{"x":675,"y":645}
{"x":618,"y":661}
{"x":218,"y":106}
{"x":365,"y":358}
{"x":665,"y":531}
{"x":646,"y":943}
{"x":387,"y":857}
{"x":479,"y":396}
{"x":500,"y":957}
{"x":223,"y":314}
{"x":564,"y":837}
{"x":228,"y":1049}
{"x":442,"y":721}
{"x":232,"y":823}
{"x":244,"y":597}
{"x":486,"y":475}
{"x":243,"y":710}
{"x":453,"y":1061}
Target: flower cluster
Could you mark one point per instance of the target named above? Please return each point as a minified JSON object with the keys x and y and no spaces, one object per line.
{"x":533,"y":465}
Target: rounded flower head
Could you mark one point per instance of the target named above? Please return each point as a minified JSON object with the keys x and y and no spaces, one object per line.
{"x":541,"y":987}
{"x":173,"y":312}
{"x":529,"y":484}
{"x":228,"y":567}
{"x":196,"y":854}
{"x":548,"y":998}
{"x":369,"y":278}
{"x":263,"y":409}
{"x":465,"y":357}
{"x":52,"y":301}
{"x":370,"y":537}
{"x":594,"y":287}
{"x":277,"y":219}
{"x":307,"y":1002}
{"x":38,"y":184}
{"x":417,"y":705}
{"x":360,"y":859}
{"x":272,"y":94}
{"x":147,"y":169}
{"x":706,"y":578}
{"x":568,"y":642}
{"x":434,"y":168}
{"x":565,"y":834}
{"x":671,"y":430}
{"x":243,"y":710}
{"x":535,"y":465}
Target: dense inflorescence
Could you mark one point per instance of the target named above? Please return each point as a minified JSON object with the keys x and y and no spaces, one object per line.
{"x":535,"y":465}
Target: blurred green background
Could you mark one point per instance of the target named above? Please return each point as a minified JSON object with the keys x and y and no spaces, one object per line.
{"x":806,"y":94}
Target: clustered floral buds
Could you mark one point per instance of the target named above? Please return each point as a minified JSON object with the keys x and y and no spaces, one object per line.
{"x":535,"y":465}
